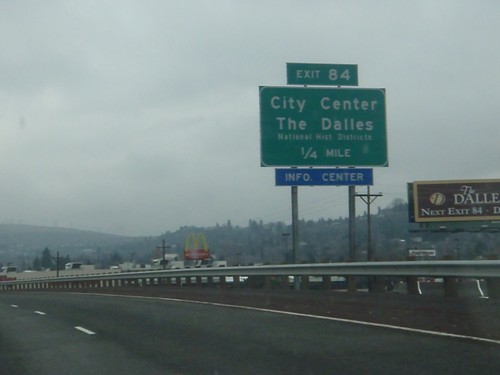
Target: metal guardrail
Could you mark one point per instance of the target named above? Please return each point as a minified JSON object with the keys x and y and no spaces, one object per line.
{"x":461,"y":269}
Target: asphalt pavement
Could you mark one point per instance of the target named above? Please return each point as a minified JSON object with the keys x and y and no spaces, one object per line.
{"x":58,"y":333}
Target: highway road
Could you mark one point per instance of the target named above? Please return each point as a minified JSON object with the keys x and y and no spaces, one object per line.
{"x":58,"y":333}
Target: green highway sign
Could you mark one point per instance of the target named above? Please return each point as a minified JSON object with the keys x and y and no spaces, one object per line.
{"x":302,"y":126}
{"x":322,"y":74}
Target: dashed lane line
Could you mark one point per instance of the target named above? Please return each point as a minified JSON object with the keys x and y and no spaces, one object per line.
{"x":81,"y":329}
{"x":85,"y":330}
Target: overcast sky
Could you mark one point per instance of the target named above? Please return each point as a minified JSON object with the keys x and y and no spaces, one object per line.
{"x":138,"y":117}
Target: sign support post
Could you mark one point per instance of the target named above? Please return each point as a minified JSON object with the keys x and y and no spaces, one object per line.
{"x":295,"y":222}
{"x":315,"y":127}
{"x":163,"y":247}
{"x":352,"y":223}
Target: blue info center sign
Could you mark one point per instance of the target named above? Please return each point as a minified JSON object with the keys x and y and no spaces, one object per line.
{"x":324,"y":176}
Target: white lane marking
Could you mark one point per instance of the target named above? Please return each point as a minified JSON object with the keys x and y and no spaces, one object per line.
{"x":40,"y":313}
{"x":360,"y":322}
{"x":85,"y":330}
{"x":14,"y":306}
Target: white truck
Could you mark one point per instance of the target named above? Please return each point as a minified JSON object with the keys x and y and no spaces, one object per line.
{"x":170,"y":261}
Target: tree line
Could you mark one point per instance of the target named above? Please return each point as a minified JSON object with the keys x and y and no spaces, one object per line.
{"x":322,"y":240}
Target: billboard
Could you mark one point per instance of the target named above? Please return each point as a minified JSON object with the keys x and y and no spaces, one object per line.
{"x":456,"y":200}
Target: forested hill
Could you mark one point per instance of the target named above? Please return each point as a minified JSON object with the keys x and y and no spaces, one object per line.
{"x":327,"y":240}
{"x":20,"y":244}
{"x":323,"y":240}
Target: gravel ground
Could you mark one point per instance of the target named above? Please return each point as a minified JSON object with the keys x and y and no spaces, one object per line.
{"x":477,"y":317}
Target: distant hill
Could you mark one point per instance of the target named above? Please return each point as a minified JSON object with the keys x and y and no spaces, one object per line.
{"x":323,"y":240}
{"x":29,"y":236}
{"x":20,"y":243}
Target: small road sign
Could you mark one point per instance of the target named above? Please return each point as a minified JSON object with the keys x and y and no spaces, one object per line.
{"x":322,"y":74}
{"x":324,"y":176}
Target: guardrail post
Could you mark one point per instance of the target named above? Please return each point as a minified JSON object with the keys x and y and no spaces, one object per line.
{"x":305,"y":282}
{"x":450,"y":287}
{"x":326,"y":282}
{"x":351,"y":284}
{"x":493,"y":287}
{"x":285,"y":283}
{"x":222,"y":282}
{"x":210,"y":281}
{"x":378,"y":284}
{"x":236,"y":282}
{"x":412,"y":285}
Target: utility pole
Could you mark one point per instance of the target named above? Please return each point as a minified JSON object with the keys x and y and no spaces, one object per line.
{"x":57,"y":259}
{"x":163,"y":247}
{"x":352,"y":223}
{"x":368,"y":199}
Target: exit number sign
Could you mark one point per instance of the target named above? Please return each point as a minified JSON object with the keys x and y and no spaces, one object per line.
{"x":322,"y":74}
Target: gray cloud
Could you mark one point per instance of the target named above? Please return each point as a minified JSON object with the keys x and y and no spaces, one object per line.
{"x":137,"y":117}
